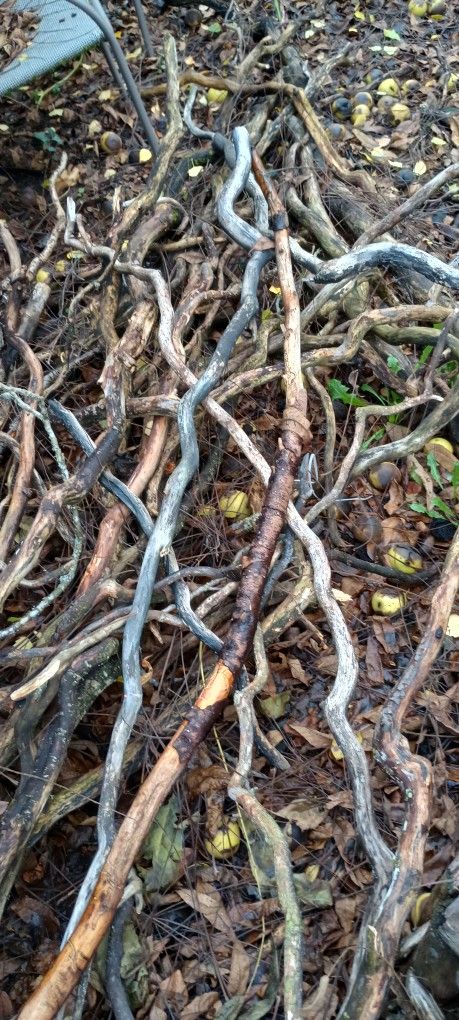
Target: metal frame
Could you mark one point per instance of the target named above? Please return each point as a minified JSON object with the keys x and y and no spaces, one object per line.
{"x":63,"y":33}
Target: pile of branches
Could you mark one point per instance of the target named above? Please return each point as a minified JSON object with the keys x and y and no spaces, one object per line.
{"x":345,"y":294}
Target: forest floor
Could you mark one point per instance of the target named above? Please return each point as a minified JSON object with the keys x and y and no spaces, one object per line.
{"x":366,"y":814}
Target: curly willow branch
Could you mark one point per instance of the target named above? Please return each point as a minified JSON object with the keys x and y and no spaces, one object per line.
{"x":390,"y":905}
{"x":161,"y":538}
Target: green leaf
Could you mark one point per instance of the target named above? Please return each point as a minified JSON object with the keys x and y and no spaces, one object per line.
{"x":455,"y":477}
{"x":49,"y":139}
{"x":164,"y":848}
{"x":390,"y":33}
{"x":275,"y":706}
{"x":393,"y":364}
{"x":432,"y":464}
{"x":214,"y":27}
{"x":448,"y":368}
{"x":366,"y":388}
{"x":313,"y":894}
{"x":425,"y":354}
{"x":379,"y":434}
{"x":418,"y":508}
{"x":133,"y":969}
{"x":445,"y":509}
{"x":338,"y":391}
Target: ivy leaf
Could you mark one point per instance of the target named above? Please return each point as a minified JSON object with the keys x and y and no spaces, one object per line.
{"x":49,"y":139}
{"x":163,"y":847}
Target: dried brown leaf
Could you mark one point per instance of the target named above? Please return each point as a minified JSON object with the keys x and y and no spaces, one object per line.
{"x":200,"y":1006}
{"x":28,"y":908}
{"x":205,"y":899}
{"x":346,"y":909}
{"x":311,"y":735}
{"x":298,"y":672}
{"x":373,"y":662}
{"x":327,"y":664}
{"x":6,"y":1006}
{"x":239,"y":970}
{"x":454,"y":128}
{"x":304,"y":813}
{"x":322,"y":1003}
{"x":174,"y":990}
{"x":156,"y":1013}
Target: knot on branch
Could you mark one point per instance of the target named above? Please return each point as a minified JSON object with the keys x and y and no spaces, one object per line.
{"x":295,"y":423}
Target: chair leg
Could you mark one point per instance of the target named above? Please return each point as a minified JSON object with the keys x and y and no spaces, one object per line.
{"x":98,"y":15}
{"x":144,"y":28}
{"x":114,"y":67}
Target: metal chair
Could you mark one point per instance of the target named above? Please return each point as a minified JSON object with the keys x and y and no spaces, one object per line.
{"x":67,"y":28}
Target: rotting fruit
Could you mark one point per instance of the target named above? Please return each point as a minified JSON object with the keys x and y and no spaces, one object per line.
{"x":385,"y":104}
{"x":387,"y":605}
{"x":418,"y":8}
{"x":110,"y":142}
{"x":409,"y":86}
{"x":140,"y":156}
{"x":442,"y":530}
{"x":225,"y":842}
{"x":384,"y":474}
{"x":335,"y":131}
{"x":403,"y":558}
{"x":438,"y":441}
{"x":367,"y":528}
{"x":400,"y":112}
{"x":360,"y":114}
{"x":373,"y":76}
{"x":437,"y":8}
{"x":405,"y":177}
{"x":235,"y":506}
{"x":342,"y":108}
{"x":388,"y":87}
{"x":362,"y":99}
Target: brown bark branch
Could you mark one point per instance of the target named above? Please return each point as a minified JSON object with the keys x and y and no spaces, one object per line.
{"x":27,"y":448}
